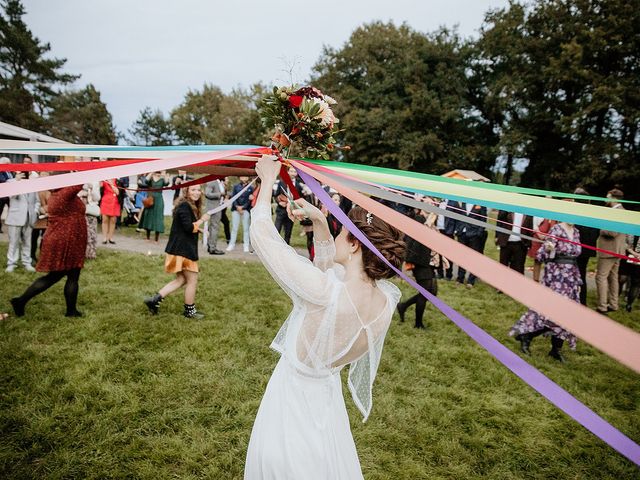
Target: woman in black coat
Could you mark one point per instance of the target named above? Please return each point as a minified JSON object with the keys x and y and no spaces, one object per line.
{"x":182,"y":252}
{"x":418,"y":258}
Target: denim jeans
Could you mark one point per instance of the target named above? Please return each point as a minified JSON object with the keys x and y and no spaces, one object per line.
{"x":235,"y":224}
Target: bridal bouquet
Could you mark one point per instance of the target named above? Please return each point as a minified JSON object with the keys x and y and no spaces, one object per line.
{"x":303,"y":120}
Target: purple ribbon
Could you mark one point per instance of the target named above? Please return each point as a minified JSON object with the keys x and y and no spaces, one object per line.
{"x":530,"y":375}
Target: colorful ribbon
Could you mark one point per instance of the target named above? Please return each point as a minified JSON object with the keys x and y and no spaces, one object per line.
{"x":534,"y":378}
{"x":605,"y":334}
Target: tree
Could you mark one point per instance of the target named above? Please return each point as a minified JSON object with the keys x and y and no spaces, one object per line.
{"x":212,"y":117}
{"x":28,"y":81}
{"x":151,"y":128}
{"x":81,"y":117}
{"x":565,"y":73}
{"x":403,"y":99}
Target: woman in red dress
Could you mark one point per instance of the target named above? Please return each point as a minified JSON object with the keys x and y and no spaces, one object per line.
{"x":110,"y":210}
{"x":62,"y":251}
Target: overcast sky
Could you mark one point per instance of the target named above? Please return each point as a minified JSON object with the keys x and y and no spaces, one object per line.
{"x":151,"y":52}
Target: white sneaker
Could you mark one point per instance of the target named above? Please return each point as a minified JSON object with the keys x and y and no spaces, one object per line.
{"x":10,"y":268}
{"x":230,"y":247}
{"x":246,"y":249}
{"x":29,"y":268}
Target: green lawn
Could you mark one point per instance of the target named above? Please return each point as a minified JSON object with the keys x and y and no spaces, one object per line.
{"x":121,"y":394}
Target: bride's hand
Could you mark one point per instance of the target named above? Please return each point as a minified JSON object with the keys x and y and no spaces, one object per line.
{"x":302,"y":210}
{"x":268,"y":168}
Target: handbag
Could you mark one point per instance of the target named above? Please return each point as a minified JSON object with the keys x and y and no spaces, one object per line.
{"x":92,"y":209}
{"x":148,"y":202}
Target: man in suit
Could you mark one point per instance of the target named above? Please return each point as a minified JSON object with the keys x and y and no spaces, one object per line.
{"x":608,"y":265}
{"x":23,"y":213}
{"x":513,"y":248}
{"x":470,"y":235}
{"x":282,"y":221}
{"x":214,"y":193}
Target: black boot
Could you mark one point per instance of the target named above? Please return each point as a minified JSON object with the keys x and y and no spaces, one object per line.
{"x":556,"y":345}
{"x":190,"y":311}
{"x":525,"y":342}
{"x":153,"y":303}
{"x":401,"y":310}
{"x":18,"y":306}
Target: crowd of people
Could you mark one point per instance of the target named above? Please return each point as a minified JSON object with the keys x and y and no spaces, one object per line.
{"x":559,"y":261}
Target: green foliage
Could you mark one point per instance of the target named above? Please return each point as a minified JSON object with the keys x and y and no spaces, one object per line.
{"x":561,"y":83}
{"x":402,"y":99}
{"x":151,"y":128}
{"x":81,"y":117}
{"x":28,"y":80}
{"x":122,"y":394}
{"x":210,"y":117}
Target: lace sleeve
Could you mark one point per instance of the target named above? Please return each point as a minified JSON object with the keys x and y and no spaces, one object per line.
{"x":324,"y":251}
{"x":297,"y":276}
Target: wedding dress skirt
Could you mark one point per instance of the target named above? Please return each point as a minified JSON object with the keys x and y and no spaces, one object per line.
{"x":302,"y":430}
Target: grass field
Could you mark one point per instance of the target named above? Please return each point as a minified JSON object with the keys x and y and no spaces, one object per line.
{"x":121,"y":394}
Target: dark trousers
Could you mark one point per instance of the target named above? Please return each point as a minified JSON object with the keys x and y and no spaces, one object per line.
{"x":225,"y":224}
{"x":476,"y":243}
{"x":582,"y":266}
{"x":634,"y":284}
{"x":283,"y":222}
{"x":420,"y":301}
{"x":513,"y":255}
{"x":36,"y":233}
{"x":448,"y":273}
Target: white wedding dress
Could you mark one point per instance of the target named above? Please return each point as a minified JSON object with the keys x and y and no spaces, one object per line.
{"x":302,"y":429}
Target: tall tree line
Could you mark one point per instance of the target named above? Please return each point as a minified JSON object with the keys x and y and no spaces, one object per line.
{"x":553,"y":84}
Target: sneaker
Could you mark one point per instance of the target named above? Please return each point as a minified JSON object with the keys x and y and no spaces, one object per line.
{"x":29,"y":268}
{"x":245,"y":250}
{"x":216,"y":252}
{"x":10,"y":268}
{"x":230,"y":248}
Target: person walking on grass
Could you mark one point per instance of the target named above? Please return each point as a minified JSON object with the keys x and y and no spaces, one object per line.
{"x":63,"y":250}
{"x":182,"y":252}
{"x":561,"y":274}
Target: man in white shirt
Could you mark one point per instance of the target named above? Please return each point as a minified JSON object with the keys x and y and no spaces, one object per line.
{"x":513,"y":248}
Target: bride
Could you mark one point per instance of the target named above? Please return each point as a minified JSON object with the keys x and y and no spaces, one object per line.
{"x":342,"y":309}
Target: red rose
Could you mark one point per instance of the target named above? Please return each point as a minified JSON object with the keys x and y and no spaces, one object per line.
{"x":295,"y":101}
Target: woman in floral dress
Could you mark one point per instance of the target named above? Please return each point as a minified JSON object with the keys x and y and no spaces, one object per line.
{"x":561,"y":274}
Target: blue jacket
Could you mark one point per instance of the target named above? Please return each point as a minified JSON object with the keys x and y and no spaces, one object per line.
{"x":468,"y":230}
{"x":450,"y":224}
{"x":243,"y":200}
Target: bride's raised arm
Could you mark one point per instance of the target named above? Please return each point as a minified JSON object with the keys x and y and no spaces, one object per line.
{"x":295,"y":273}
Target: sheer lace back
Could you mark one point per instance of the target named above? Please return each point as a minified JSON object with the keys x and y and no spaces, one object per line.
{"x":324,"y":331}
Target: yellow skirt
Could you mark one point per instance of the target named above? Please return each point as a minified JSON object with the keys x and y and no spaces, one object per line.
{"x":176,"y":264}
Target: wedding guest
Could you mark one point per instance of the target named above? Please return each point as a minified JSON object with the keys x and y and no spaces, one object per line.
{"x":109,"y":209}
{"x":63,"y":250}
{"x":283,"y":222}
{"x":471,"y":236}
{"x":179,"y":179}
{"x":40,"y":226}
{"x":418,"y":259}
{"x":513,"y":248}
{"x":152,"y":219}
{"x":608,"y":265}
{"x":633,"y":251}
{"x":22,"y":215}
{"x":182,"y":252}
{"x":448,"y":227}
{"x":4,"y":176}
{"x":588,"y":236}
{"x":240,"y":211}
{"x":335,"y":227}
{"x":90,"y":196}
{"x":214,"y":193}
{"x":561,"y":274}
{"x":541,"y":227}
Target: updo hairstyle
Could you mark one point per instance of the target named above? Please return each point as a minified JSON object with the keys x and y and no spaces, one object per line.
{"x":387,"y":239}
